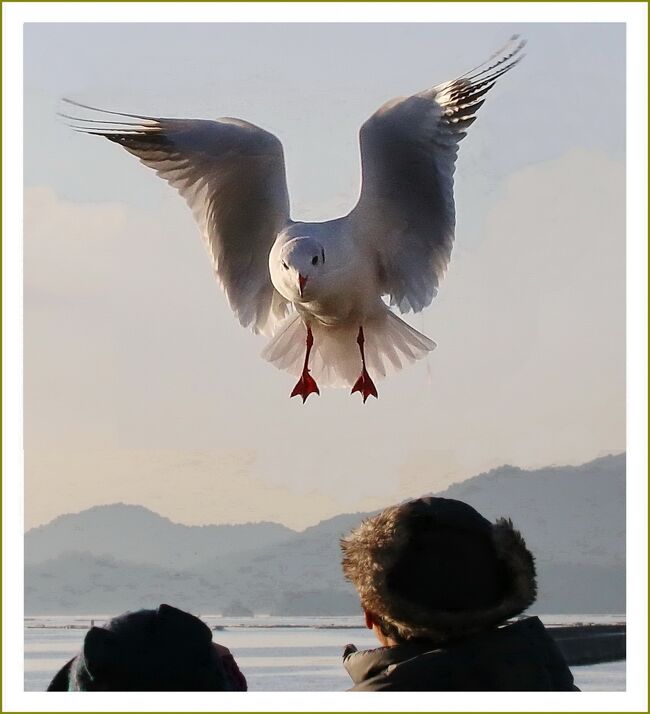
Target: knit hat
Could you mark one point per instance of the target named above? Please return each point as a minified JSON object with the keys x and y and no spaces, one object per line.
{"x":435,"y":568}
{"x":148,"y":650}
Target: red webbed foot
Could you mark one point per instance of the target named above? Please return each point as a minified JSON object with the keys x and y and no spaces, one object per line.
{"x":365,"y":386}
{"x":305,"y":386}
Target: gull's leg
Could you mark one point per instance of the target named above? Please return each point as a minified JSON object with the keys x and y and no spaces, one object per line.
{"x":306,"y":385}
{"x":364,"y":384}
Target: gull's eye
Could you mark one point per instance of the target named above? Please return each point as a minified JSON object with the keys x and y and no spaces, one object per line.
{"x":285,"y":266}
{"x":314,"y":260}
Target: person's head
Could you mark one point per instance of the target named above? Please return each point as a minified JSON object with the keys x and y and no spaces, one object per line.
{"x":436,"y":569}
{"x":148,"y":650}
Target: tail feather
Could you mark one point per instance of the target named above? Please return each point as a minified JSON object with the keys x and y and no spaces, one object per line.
{"x":287,"y":346}
{"x":390,"y":344}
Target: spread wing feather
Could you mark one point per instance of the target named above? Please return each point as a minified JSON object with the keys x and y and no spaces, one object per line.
{"x":405,"y":216}
{"x":232,"y":175}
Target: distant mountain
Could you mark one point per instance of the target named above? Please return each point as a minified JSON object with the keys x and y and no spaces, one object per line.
{"x":573,"y":519}
{"x":87,"y":584}
{"x":566,"y":513}
{"x":137,"y":535}
{"x":284,"y":574}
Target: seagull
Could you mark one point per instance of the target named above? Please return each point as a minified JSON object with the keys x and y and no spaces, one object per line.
{"x":325,"y":293}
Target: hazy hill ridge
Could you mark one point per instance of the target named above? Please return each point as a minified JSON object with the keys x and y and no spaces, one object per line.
{"x":136,"y":534}
{"x":565,"y":513}
{"x":117,"y":557}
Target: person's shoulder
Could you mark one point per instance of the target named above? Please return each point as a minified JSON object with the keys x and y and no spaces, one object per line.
{"x":530,"y":628}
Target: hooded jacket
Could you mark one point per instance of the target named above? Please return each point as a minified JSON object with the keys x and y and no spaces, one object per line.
{"x":517,"y":657}
{"x":436,"y":569}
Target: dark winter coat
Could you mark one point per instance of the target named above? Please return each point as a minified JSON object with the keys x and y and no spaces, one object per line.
{"x":517,"y":657}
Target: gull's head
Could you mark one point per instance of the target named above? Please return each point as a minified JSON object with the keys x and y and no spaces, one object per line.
{"x":297,"y":266}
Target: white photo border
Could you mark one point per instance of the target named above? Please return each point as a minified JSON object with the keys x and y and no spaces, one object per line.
{"x":635,"y":17}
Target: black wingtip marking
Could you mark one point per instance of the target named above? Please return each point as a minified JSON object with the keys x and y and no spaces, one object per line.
{"x":97,"y":121}
{"x":108,"y":111}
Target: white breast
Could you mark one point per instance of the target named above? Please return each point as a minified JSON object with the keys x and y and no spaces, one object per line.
{"x":349,"y":296}
{"x":342,"y":291}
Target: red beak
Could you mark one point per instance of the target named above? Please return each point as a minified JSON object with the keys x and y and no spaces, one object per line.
{"x":302,"y":281}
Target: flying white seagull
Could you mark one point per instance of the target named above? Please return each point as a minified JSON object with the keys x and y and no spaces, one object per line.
{"x":317,"y":288}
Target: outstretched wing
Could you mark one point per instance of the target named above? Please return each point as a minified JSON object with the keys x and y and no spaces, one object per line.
{"x":405,"y":215}
{"x":232,"y":175}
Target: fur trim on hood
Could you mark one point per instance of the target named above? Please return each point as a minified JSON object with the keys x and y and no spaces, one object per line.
{"x":374,"y":549}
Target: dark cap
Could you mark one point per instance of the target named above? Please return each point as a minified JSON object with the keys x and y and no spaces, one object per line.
{"x":148,"y":650}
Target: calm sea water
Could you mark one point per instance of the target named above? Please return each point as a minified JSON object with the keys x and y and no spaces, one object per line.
{"x":275,"y":654}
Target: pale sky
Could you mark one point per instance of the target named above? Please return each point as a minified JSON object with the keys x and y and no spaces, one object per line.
{"x":141,"y":386}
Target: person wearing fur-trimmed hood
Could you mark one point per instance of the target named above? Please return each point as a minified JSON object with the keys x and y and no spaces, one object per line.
{"x":437,"y":583}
